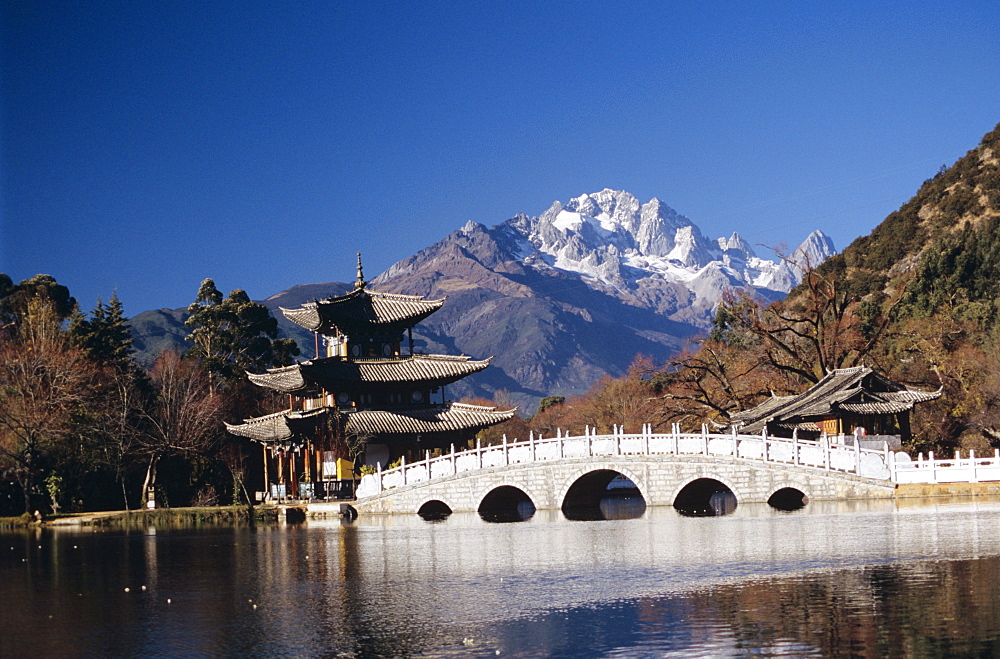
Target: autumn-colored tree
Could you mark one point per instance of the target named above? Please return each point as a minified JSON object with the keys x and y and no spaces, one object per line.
{"x":628,"y":402}
{"x":556,"y":417}
{"x":514,"y":428}
{"x":45,"y":385}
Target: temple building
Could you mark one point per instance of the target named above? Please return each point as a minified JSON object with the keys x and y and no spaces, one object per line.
{"x":856,"y":402}
{"x":367,"y":401}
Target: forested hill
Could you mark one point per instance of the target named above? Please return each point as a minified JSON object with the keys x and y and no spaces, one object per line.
{"x":952,"y":202}
{"x":919,"y":298}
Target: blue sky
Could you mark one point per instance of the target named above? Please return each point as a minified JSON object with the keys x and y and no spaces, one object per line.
{"x":145,"y":146}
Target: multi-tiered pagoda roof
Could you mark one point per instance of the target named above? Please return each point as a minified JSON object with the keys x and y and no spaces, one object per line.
{"x":309,"y":377}
{"x":366,"y":386}
{"x":362,"y":311}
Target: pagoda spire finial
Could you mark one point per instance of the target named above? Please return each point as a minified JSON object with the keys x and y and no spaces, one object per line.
{"x":360,"y":283}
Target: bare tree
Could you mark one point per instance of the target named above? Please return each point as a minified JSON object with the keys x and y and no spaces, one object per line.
{"x":185,"y":417}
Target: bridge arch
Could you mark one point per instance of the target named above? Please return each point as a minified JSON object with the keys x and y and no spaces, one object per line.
{"x":740,"y":498}
{"x":706,"y":495}
{"x":507,"y":502}
{"x":434,"y":509}
{"x":788,"y":498}
{"x":582,"y":472}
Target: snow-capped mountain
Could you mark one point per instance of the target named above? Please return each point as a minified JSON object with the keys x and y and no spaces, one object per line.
{"x":612,"y":241}
{"x":575,"y":293}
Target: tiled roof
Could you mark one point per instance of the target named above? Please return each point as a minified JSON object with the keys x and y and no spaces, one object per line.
{"x":362,"y":309}
{"x":771,"y":403}
{"x":858,"y":390}
{"x":451,"y":417}
{"x":279,"y":427}
{"x":336,"y":371}
{"x":445,"y":418}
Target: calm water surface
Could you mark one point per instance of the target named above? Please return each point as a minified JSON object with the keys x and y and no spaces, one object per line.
{"x":865,"y":579}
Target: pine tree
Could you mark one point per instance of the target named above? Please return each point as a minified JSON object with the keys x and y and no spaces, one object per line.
{"x":106,"y":336}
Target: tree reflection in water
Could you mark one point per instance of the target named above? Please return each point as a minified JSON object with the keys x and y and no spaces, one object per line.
{"x":928,"y":609}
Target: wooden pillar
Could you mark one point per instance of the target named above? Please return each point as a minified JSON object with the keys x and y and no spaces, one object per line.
{"x":292,"y":475}
{"x":306,"y":460}
{"x":267,"y":484}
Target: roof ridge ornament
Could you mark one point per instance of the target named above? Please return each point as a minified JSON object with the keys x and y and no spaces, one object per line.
{"x":360,"y":283}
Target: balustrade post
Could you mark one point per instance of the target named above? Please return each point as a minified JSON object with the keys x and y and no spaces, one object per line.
{"x":402,"y":467}
{"x":795,"y":447}
{"x":674,"y":444}
{"x":618,"y":440}
{"x":562,"y":449}
{"x":825,"y":443}
{"x":972,"y":461}
{"x":531,"y":446}
{"x":506,"y":457}
{"x":930,"y":457}
{"x":479,"y":451}
{"x":857,"y":457}
{"x":454,"y":462}
{"x":645,"y":438}
{"x":378,"y":475}
{"x":590,"y":444}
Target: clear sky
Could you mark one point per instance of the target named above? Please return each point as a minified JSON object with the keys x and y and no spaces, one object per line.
{"x":145,"y":146}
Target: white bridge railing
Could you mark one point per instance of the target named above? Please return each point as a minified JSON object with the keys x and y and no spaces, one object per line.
{"x":821,"y":454}
{"x":971,"y":469}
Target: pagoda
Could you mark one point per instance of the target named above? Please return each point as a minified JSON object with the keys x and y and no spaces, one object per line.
{"x":366,"y":402}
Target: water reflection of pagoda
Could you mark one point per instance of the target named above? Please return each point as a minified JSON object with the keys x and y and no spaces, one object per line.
{"x":366,"y":401}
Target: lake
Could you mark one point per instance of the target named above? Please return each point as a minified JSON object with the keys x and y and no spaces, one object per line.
{"x":870,"y":579}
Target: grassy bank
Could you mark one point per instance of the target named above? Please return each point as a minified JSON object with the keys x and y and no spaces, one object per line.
{"x":159,"y":517}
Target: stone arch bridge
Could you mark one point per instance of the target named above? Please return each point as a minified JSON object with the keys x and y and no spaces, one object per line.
{"x":567,"y":471}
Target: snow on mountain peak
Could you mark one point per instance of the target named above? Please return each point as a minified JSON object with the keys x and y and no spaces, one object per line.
{"x":611,"y":239}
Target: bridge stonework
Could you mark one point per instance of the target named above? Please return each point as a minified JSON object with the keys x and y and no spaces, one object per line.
{"x":659,"y":479}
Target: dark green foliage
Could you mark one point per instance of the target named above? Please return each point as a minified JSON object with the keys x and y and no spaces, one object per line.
{"x":14,"y":299}
{"x":549,"y":401}
{"x":961,"y":273}
{"x":106,"y":335}
{"x":235,"y":334}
